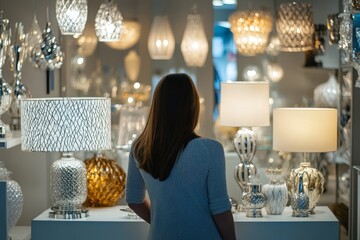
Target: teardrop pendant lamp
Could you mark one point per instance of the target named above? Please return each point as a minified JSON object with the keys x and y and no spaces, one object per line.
{"x":194,"y":45}
{"x":108,"y":22}
{"x":161,"y":42}
{"x":71,"y":16}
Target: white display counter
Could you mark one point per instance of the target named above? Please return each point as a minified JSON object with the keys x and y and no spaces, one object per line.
{"x":111,"y":223}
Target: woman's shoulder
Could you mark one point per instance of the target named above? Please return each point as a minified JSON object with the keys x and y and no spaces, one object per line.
{"x":209,"y":143}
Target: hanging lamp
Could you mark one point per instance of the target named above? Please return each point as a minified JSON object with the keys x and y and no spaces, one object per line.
{"x":295,"y":27}
{"x":194,"y":45}
{"x":161,"y":42}
{"x":108,"y":22}
{"x":129,"y":37}
{"x":71,"y":16}
{"x":251,"y":31}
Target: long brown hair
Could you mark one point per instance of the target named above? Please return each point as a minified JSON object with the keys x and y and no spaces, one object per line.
{"x":173,"y":116}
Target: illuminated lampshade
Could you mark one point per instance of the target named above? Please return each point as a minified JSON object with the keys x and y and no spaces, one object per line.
{"x":305,"y":129}
{"x":108,"y":22}
{"x":275,"y":72}
{"x":295,"y":27}
{"x":105,"y":182}
{"x":71,"y":16}
{"x":194,"y":45}
{"x":129,"y":37}
{"x":250,"y":30}
{"x":161,"y":42}
{"x":251,"y":73}
{"x":87,"y":41}
{"x":132,"y":64}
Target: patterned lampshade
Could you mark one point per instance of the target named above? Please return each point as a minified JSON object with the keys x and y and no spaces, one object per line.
{"x":161,"y":42}
{"x":129,"y":37}
{"x":251,"y":31}
{"x":295,"y":27}
{"x":65,"y":124}
{"x":108,"y":22}
{"x":194,"y":45}
{"x":71,"y":16}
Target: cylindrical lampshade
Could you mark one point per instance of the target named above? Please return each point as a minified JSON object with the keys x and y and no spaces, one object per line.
{"x":305,"y":129}
{"x":161,"y":42}
{"x":65,"y":124}
{"x":244,"y":104}
{"x":251,"y":31}
{"x":194,"y":45}
{"x":295,"y":27}
{"x":71,"y":16}
{"x":129,"y":37}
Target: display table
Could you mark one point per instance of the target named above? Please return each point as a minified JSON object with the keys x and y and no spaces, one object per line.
{"x":111,"y":223}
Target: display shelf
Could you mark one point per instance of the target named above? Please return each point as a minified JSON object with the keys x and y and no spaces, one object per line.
{"x":111,"y":223}
{"x":9,"y":142}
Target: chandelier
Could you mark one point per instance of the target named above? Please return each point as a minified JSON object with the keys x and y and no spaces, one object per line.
{"x":161,"y":42}
{"x":129,"y":37}
{"x":194,"y":45}
{"x":295,"y":27}
{"x":108,"y":22}
{"x":71,"y":16}
{"x":250,"y":30}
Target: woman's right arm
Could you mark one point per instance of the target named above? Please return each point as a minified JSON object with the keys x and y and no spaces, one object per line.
{"x":225,"y":224}
{"x":142,"y":209}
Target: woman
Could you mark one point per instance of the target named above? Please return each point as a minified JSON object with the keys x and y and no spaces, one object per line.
{"x":183,"y":174}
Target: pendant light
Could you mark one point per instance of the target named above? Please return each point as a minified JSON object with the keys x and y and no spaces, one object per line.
{"x":194,"y":45}
{"x":71,"y":16}
{"x":108,"y":22}
{"x":161,"y":42}
{"x":251,"y":31}
{"x":129,"y":37}
{"x":295,"y":27}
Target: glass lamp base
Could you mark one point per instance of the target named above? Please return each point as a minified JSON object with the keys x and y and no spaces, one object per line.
{"x":254,"y":213}
{"x":58,"y":213}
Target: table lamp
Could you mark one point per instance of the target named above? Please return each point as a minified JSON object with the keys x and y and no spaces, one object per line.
{"x":244,"y":104}
{"x":66,"y":125}
{"x":305,"y":130}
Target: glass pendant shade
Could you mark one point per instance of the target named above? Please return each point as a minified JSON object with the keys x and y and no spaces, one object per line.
{"x":275,"y":72}
{"x":250,"y":31}
{"x":71,"y":16}
{"x":66,"y":125}
{"x":108,"y":22}
{"x":105,"y":182}
{"x":33,"y":36}
{"x":129,"y":37}
{"x":194,"y":45}
{"x":295,"y":27}
{"x":161,"y":42}
{"x":132,"y":64}
{"x":87,"y":41}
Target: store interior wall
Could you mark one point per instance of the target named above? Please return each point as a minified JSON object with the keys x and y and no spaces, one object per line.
{"x":31,"y":170}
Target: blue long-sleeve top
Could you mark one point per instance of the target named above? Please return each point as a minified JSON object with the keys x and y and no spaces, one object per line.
{"x":182,"y":205}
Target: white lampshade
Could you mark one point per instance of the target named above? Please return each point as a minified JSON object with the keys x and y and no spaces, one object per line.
{"x":132,"y":62}
{"x":108,"y":22}
{"x":244,"y":104}
{"x":194,"y":45}
{"x":129,"y":37}
{"x":161,"y":42}
{"x":71,"y":16}
{"x":305,"y":129}
{"x":65,"y":124}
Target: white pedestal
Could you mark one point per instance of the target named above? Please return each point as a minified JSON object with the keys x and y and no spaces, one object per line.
{"x":111,"y":223}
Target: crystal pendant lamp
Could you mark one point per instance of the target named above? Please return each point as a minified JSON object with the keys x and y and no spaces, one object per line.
{"x":305,"y":130}
{"x":251,"y":31}
{"x":194,"y":45}
{"x":71,"y":16}
{"x":161,"y":42}
{"x":244,"y":104}
{"x":295,"y":27}
{"x":66,"y":125}
{"x":108,"y":22}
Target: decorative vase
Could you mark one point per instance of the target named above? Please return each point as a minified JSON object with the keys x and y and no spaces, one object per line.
{"x":300,"y":201}
{"x":312,"y":183}
{"x":253,"y":200}
{"x":327,"y":94}
{"x":276,"y":192}
{"x":105,"y":182}
{"x":14,"y":197}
